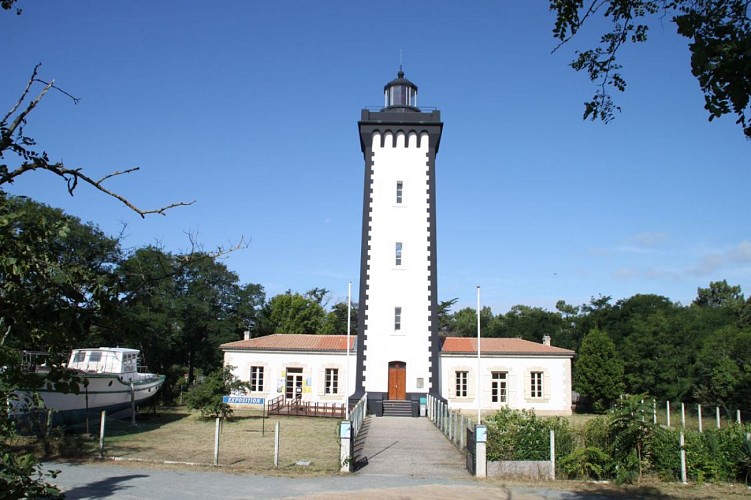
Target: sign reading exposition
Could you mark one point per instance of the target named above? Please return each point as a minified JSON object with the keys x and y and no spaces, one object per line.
{"x":243,"y":400}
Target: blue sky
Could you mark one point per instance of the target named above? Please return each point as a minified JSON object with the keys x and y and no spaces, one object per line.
{"x":251,"y":108}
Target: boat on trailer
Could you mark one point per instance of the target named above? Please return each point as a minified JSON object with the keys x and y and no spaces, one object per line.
{"x":115,"y":383}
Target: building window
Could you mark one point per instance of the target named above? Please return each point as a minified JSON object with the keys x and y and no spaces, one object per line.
{"x":397,"y":318}
{"x":332,"y":380}
{"x":461,"y":384}
{"x":256,"y":378}
{"x":398,"y":253}
{"x":399,"y":189}
{"x":536,"y":385}
{"x":498,"y":390}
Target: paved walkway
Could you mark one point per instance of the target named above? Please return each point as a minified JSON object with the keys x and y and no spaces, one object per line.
{"x":406,"y":447}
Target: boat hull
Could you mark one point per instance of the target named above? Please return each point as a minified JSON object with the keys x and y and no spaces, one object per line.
{"x":104,"y":392}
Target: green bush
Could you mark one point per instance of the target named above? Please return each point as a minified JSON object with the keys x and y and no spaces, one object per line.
{"x":208,"y":395}
{"x":521,"y":435}
{"x":587,"y":463}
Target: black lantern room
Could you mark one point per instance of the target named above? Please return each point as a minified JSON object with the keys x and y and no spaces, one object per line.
{"x":400,"y":94}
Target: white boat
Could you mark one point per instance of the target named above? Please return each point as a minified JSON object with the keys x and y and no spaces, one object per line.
{"x":115,"y":383}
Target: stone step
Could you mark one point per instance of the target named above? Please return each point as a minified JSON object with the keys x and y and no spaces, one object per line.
{"x":397,"y":408}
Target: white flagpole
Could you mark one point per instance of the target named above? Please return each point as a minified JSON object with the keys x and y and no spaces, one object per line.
{"x":479,"y":386}
{"x":349,"y":327}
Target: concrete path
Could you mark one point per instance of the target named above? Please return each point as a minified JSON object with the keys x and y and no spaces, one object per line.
{"x":406,"y":447}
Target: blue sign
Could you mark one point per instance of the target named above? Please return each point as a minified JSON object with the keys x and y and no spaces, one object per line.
{"x":243,"y":400}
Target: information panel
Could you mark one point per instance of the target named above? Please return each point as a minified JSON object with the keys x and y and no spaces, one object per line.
{"x":243,"y":400}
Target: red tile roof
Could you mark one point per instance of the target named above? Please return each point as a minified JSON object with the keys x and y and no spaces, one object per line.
{"x":294,"y":342}
{"x":335,"y":343}
{"x":466,"y":345}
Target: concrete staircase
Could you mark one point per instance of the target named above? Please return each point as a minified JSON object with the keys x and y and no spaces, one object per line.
{"x":397,"y":408}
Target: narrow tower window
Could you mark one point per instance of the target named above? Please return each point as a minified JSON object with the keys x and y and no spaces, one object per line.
{"x":397,"y":318}
{"x":399,"y":189}
{"x":398,"y":253}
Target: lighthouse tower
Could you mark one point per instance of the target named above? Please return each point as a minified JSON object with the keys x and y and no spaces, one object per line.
{"x":398,"y":344}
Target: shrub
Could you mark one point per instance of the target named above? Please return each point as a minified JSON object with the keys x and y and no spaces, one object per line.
{"x":587,"y":463}
{"x":520,"y":435}
{"x":208,"y":395}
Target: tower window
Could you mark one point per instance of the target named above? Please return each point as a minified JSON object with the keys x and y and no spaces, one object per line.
{"x":397,"y":318}
{"x":398,"y":253}
{"x":399,"y":189}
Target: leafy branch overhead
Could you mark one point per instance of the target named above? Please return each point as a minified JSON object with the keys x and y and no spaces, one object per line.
{"x":14,"y":141}
{"x":720,"y":35}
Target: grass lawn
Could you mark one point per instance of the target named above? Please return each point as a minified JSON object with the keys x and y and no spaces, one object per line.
{"x":246,"y":441}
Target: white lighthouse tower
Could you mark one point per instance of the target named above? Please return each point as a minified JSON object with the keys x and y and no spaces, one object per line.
{"x":398,"y":344}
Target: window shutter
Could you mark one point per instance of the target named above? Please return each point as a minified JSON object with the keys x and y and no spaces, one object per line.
{"x":528,"y":384}
{"x":321,"y":381}
{"x":546,"y":385}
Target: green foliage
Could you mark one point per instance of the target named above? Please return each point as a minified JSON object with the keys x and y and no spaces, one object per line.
{"x":587,"y":463}
{"x":294,"y":313}
{"x":598,"y":372}
{"x":720,"y":36}
{"x":335,"y":322}
{"x":521,"y":435}
{"x":631,"y":431}
{"x":21,"y":476}
{"x":207,"y":395}
{"x":719,"y":294}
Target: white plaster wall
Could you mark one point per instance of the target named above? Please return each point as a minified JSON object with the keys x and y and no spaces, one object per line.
{"x":405,"y":286}
{"x":313,"y":370}
{"x":556,"y":398}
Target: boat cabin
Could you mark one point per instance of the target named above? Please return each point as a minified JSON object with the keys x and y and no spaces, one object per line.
{"x":115,"y":360}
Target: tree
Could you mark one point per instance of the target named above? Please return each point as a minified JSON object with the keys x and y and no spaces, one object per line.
{"x":208,"y":396}
{"x":464,"y":322}
{"x":335,"y":322}
{"x":444,"y":318}
{"x":15,"y":143}
{"x":720,"y":35}
{"x":723,"y":369}
{"x":293,"y":313}
{"x":598,"y":372}
{"x":56,"y":277}
{"x":529,"y":323}
{"x":719,"y":294}
{"x":31,"y":274}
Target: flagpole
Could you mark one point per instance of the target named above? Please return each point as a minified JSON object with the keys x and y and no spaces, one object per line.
{"x":349,"y":327}
{"x":479,"y":376}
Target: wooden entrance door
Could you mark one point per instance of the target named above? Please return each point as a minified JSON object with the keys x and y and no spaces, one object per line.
{"x":398,"y":380}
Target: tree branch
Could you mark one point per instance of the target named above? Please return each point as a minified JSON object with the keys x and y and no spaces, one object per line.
{"x":13,"y":139}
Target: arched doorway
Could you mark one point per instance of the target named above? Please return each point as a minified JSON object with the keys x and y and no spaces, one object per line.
{"x":397,"y":380}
